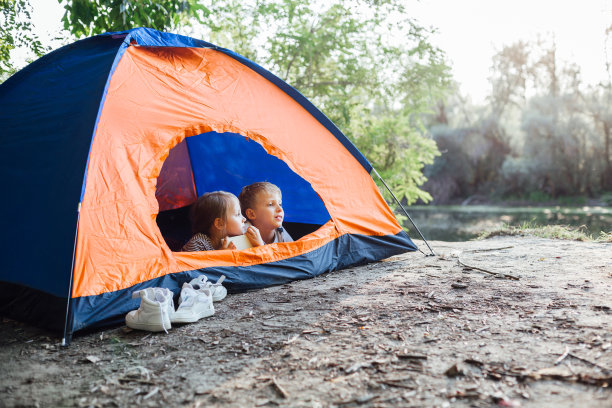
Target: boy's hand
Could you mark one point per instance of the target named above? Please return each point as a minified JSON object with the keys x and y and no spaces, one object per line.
{"x":252,"y":233}
{"x":226,"y":244}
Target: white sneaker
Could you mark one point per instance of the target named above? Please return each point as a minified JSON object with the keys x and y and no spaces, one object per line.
{"x":217,"y":289}
{"x":193,"y":305}
{"x":154,"y":311}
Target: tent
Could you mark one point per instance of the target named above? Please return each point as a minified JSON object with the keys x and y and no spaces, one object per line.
{"x":107,"y":141}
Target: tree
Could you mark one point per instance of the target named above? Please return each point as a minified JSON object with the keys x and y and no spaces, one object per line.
{"x":542,"y":134}
{"x":598,"y":105}
{"x":560,"y":153}
{"x":375,"y":90}
{"x":602,"y":114}
{"x":341,"y":54}
{"x":511,"y":73}
{"x":16,"y":31}
{"x":85,"y":17}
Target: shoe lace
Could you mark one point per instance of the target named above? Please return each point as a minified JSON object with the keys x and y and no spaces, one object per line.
{"x":161,"y":295}
{"x":161,"y":314}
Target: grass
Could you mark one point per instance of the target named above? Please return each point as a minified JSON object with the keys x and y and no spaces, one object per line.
{"x":548,"y":231}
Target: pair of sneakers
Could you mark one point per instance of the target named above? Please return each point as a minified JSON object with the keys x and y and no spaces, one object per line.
{"x":156,"y":312}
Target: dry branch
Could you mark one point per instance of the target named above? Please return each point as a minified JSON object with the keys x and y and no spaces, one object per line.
{"x":280,"y":389}
{"x":505,"y":275}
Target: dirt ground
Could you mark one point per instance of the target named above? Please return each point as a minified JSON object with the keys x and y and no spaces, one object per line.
{"x":509,"y":322}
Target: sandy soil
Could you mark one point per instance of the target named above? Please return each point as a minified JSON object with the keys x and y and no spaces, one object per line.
{"x":532,"y":327}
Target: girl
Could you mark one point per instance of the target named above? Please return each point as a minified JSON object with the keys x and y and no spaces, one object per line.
{"x":215,"y":216}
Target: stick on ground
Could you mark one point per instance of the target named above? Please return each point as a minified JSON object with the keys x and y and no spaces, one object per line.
{"x":280,"y":389}
{"x":505,"y":275}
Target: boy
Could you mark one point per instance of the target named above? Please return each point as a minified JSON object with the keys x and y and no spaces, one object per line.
{"x":262,"y":206}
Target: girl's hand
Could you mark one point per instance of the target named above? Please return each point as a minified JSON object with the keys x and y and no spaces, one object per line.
{"x":252,"y":233}
{"x":226,"y":244}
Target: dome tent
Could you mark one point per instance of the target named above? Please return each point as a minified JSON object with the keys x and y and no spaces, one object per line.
{"x":108,"y":140}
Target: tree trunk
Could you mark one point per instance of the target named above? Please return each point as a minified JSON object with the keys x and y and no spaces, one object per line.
{"x":607,"y":174}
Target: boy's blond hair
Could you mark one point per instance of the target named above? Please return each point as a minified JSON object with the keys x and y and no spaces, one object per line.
{"x":248,"y":195}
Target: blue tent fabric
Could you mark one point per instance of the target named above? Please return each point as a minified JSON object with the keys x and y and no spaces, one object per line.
{"x":47,"y":115}
{"x":250,"y":163}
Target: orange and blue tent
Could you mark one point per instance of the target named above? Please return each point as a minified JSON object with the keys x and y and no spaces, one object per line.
{"x":107,"y":141}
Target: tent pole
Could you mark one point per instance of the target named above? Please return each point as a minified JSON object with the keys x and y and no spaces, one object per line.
{"x":405,"y":212}
{"x":69,"y":296}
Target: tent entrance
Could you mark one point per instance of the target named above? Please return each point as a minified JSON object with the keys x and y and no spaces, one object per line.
{"x":227,"y":161}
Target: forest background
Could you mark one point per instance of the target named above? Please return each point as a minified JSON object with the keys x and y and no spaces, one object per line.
{"x":541,"y":135}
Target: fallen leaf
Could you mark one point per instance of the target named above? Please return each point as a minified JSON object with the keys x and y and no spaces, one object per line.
{"x":201,"y":390}
{"x":92,"y":359}
{"x":455,"y":371}
{"x":508,"y":403}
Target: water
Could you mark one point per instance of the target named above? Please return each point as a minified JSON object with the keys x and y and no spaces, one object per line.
{"x":460,"y":223}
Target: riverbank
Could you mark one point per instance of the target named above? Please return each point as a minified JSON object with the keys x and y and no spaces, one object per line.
{"x":461,"y":223}
{"x":508,"y":321}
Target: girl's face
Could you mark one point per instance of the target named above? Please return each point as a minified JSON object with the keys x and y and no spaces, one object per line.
{"x":234,"y":223}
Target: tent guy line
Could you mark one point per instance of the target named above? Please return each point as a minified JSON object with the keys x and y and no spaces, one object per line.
{"x":405,"y":212}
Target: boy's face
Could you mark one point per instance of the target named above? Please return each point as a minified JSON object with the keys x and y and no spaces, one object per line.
{"x":235,"y":222}
{"x":267,"y":212}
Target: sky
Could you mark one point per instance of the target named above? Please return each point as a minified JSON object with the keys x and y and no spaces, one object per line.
{"x":472,"y":31}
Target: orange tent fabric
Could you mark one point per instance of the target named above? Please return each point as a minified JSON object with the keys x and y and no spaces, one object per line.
{"x":157,"y":97}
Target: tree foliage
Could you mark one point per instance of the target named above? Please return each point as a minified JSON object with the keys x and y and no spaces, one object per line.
{"x":16,"y":31}
{"x":543,"y":134}
{"x":88,"y":17}
{"x":342,"y":56}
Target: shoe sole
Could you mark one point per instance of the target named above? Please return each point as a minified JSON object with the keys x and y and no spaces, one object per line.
{"x":152,"y":327}
{"x":192,"y":319}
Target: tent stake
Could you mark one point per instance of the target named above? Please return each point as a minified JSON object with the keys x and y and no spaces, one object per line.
{"x":405,"y":212}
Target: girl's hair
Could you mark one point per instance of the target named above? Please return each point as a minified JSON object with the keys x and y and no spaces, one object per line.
{"x":248,"y":195}
{"x":209,"y":207}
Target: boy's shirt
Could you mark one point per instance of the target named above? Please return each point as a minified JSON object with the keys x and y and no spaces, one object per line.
{"x":280,"y":235}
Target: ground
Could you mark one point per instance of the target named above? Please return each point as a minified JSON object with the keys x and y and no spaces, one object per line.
{"x":508,"y":321}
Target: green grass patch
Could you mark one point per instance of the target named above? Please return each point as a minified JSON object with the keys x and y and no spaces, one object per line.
{"x":548,"y":231}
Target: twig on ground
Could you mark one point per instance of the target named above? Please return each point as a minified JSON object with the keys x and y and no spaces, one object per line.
{"x":151,"y":393}
{"x":412,"y":356}
{"x":490,"y":249}
{"x":505,"y":275}
{"x":589,"y":362}
{"x":280,"y":389}
{"x":565,"y":354}
{"x":359,"y":400}
{"x":292,"y":339}
{"x":396,"y":383}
